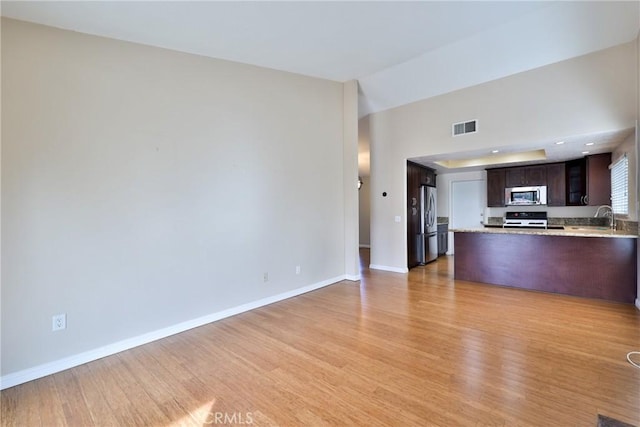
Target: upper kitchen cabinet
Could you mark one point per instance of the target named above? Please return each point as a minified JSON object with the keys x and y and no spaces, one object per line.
{"x":428,"y":177}
{"x":526,"y":176}
{"x":588,"y":181}
{"x":556,"y":185}
{"x":521,"y":176}
{"x":598,"y":179}
{"x":579,"y":182}
{"x":418,"y":175}
{"x":495,"y":187}
{"x":576,"y":182}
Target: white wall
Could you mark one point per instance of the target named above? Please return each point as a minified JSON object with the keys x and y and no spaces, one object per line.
{"x":582,"y":95}
{"x":143,"y":187}
{"x":444,"y":184}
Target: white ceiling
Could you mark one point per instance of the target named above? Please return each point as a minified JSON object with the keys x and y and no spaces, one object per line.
{"x":399,"y":52}
{"x":552,"y":32}
{"x":332,"y":40}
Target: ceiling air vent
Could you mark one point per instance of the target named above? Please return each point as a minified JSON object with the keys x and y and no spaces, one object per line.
{"x":465,"y":127}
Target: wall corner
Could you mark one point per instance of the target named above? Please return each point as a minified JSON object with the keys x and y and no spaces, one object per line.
{"x":350,"y":176}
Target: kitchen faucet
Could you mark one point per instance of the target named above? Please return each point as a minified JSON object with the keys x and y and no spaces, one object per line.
{"x":612,"y":219}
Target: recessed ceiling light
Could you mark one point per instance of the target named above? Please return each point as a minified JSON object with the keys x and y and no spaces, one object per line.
{"x":495,"y":151}
{"x":559,"y":142}
{"x":588,"y":144}
{"x":585,"y":152}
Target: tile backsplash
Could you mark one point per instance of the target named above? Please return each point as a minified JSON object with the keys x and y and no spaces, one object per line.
{"x":586,"y":221}
{"x":494,"y":220}
{"x":630,"y":227}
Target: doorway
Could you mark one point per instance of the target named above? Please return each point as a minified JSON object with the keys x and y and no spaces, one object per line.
{"x":468,"y":200}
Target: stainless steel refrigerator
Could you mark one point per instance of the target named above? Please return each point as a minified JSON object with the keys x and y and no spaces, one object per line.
{"x":428,"y":237}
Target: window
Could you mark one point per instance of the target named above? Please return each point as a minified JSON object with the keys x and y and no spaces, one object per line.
{"x":620,"y":186}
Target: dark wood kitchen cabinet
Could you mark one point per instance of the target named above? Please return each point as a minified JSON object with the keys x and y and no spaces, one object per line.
{"x":588,"y":181}
{"x":556,"y":185}
{"x":598,"y":179}
{"x":514,"y":177}
{"x":413,"y":212}
{"x":417,"y":176}
{"x":585,"y":181}
{"x":591,"y":267}
{"x":495,"y":187}
{"x":526,"y":176}
{"x":428,"y":177}
{"x":576,"y":182}
{"x":443,"y":239}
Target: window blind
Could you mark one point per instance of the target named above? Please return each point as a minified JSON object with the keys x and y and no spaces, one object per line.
{"x":620,"y":186}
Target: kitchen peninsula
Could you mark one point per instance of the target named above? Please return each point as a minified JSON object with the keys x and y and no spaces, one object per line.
{"x":591,"y":262}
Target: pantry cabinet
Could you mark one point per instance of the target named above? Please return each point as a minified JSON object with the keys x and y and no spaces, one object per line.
{"x":417,"y":176}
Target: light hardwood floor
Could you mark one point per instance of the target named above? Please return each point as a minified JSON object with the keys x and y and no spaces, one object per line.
{"x":392,"y":350}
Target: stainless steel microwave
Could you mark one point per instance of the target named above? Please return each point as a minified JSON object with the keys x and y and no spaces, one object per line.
{"x":525,"y":196}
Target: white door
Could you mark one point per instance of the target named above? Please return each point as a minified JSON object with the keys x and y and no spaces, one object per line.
{"x":468,"y":200}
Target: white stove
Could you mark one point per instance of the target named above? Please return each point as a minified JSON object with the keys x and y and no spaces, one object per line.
{"x":525,"y":220}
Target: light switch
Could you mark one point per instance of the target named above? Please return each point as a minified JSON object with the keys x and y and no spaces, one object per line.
{"x":398,"y":218}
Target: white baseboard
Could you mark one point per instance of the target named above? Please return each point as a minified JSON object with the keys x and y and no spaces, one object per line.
{"x":387,"y":268}
{"x":353,"y":277}
{"x":49,"y":368}
{"x":638,"y":303}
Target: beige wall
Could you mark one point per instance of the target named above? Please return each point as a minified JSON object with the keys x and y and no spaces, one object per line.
{"x":628,"y":147}
{"x":579,"y":96}
{"x":142,"y":188}
{"x":350,"y":190}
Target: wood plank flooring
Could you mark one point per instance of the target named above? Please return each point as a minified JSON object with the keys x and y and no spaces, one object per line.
{"x":392,"y":350}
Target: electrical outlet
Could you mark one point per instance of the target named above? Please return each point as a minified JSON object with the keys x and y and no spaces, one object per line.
{"x":59,"y":322}
{"x":266,"y":277}
{"x":297,"y":269}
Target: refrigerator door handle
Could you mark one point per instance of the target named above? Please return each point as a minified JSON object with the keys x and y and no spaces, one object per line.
{"x":431,"y":213}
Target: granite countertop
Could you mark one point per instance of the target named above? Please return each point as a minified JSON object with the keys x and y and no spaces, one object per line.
{"x":575,"y":231}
